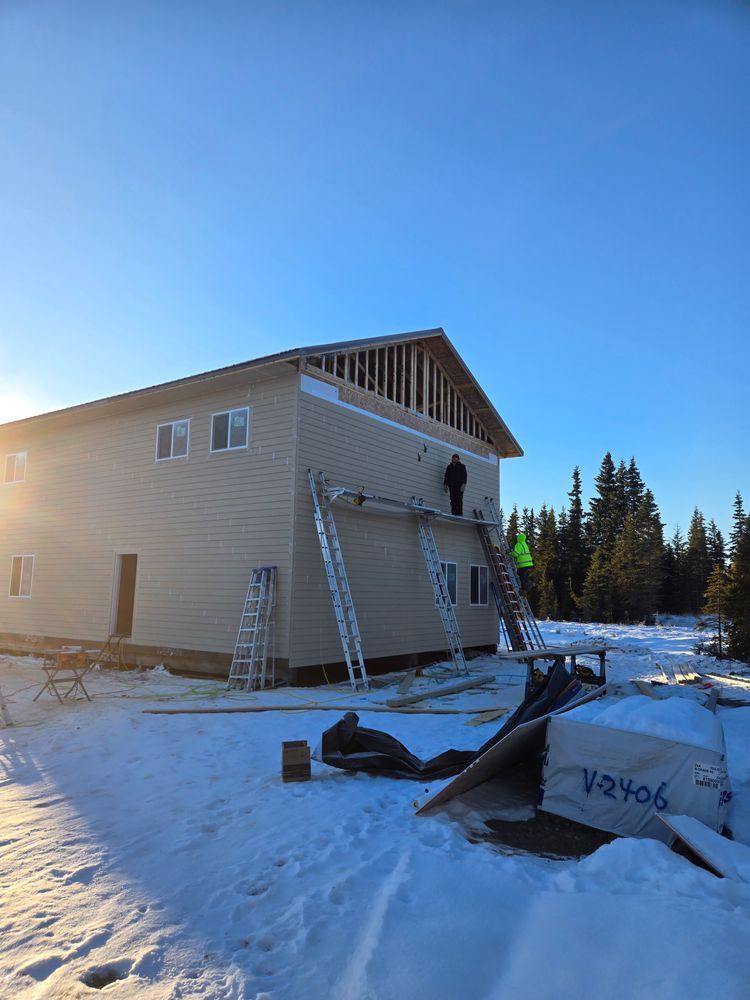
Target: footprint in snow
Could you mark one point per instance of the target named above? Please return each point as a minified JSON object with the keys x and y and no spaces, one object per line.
{"x":84,"y":875}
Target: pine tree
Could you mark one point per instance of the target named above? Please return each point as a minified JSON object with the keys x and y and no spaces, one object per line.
{"x":714,"y":613}
{"x":697,"y":562}
{"x":738,"y":596}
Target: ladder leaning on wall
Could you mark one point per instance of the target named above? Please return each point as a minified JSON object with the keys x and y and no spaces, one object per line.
{"x":338,"y":583}
{"x":249,"y":668}
{"x":442,"y":595}
{"x":518,"y":621}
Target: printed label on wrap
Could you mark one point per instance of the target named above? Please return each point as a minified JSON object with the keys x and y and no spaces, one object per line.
{"x":709,"y":775}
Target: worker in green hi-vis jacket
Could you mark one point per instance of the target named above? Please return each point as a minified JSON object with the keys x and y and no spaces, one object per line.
{"x":524,"y":562}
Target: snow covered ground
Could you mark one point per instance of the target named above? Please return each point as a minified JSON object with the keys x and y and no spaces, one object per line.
{"x":165,"y":849}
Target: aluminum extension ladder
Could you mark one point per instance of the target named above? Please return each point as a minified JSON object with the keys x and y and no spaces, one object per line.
{"x":338,"y":584}
{"x":519,"y":624}
{"x":249,"y":668}
{"x":442,"y":597}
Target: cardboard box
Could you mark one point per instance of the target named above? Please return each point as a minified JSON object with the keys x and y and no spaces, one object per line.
{"x":295,"y":760}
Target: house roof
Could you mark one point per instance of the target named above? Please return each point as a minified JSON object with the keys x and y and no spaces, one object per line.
{"x":439,"y":344}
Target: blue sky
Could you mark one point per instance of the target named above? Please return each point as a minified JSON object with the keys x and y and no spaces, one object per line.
{"x":562,"y":187}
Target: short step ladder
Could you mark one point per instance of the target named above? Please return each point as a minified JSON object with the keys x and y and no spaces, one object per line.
{"x":520,"y":627}
{"x":338,"y":584}
{"x":4,"y":713}
{"x":249,"y":668}
{"x":442,"y":597}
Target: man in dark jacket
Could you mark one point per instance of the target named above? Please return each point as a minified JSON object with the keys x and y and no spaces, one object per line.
{"x":454,"y":482}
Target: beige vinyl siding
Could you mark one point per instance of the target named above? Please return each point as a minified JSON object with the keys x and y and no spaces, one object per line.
{"x":392,"y":593}
{"x":93,"y":489}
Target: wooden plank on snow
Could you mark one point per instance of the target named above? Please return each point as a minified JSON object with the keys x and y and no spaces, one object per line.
{"x":439,"y":692}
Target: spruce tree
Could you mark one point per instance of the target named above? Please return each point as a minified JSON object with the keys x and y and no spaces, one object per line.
{"x":603,"y":507}
{"x":675,"y":586}
{"x":621,"y":498}
{"x":528,"y":527}
{"x":716,"y":548}
{"x":565,"y":606}
{"x":738,"y":596}
{"x":738,"y":522}
{"x":598,"y":588}
{"x":513,"y":527}
{"x":649,"y":532}
{"x":634,"y":487}
{"x":697,"y":562}
{"x":546,"y":563}
{"x":574,"y":538}
{"x":626,"y":574}
{"x":714,"y":612}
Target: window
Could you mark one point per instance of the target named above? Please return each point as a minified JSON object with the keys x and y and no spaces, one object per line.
{"x":478,"y":586}
{"x":172,"y":440}
{"x":230,"y":429}
{"x":15,"y":467}
{"x":21,"y":572}
{"x":450,"y":572}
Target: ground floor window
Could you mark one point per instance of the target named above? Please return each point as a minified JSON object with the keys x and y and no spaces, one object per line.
{"x":15,"y":467}
{"x":450,"y":572}
{"x":478,"y":586}
{"x":21,"y":574}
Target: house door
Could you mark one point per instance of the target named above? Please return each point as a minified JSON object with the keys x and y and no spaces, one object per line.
{"x":124,"y":595}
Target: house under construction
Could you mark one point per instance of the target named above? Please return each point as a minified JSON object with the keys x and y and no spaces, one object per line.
{"x":314,"y":475}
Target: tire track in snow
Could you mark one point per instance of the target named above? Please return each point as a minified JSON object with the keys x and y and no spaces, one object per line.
{"x":354,"y":981}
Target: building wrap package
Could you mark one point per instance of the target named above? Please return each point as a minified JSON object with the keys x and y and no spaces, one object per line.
{"x":617,"y":767}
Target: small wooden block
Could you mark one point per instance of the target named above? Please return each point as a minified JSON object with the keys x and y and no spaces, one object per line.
{"x":295,"y":760}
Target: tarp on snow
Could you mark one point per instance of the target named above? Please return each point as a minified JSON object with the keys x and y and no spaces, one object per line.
{"x":349,"y":746}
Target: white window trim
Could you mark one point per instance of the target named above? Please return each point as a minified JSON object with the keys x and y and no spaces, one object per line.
{"x":171,"y":423}
{"x":15,"y":454}
{"x":448,"y":562}
{"x":479,"y":604}
{"x":21,"y":556}
{"x":236,"y":447}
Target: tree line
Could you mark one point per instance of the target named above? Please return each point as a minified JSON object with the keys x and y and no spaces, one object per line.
{"x":610,"y":562}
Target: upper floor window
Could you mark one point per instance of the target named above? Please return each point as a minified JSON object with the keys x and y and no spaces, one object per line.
{"x":21,"y":573}
{"x":15,"y":467}
{"x":478,"y":586}
{"x":230,"y":429}
{"x":172,"y":440}
{"x":450,"y":572}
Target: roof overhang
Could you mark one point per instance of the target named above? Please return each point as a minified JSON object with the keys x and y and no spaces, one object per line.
{"x":435,"y":339}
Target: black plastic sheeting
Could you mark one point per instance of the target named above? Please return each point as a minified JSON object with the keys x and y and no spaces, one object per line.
{"x":349,"y":746}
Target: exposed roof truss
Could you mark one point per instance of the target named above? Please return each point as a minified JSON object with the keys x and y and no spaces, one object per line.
{"x":409,"y":375}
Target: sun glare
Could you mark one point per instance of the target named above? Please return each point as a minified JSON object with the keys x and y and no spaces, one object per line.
{"x":17,"y":403}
